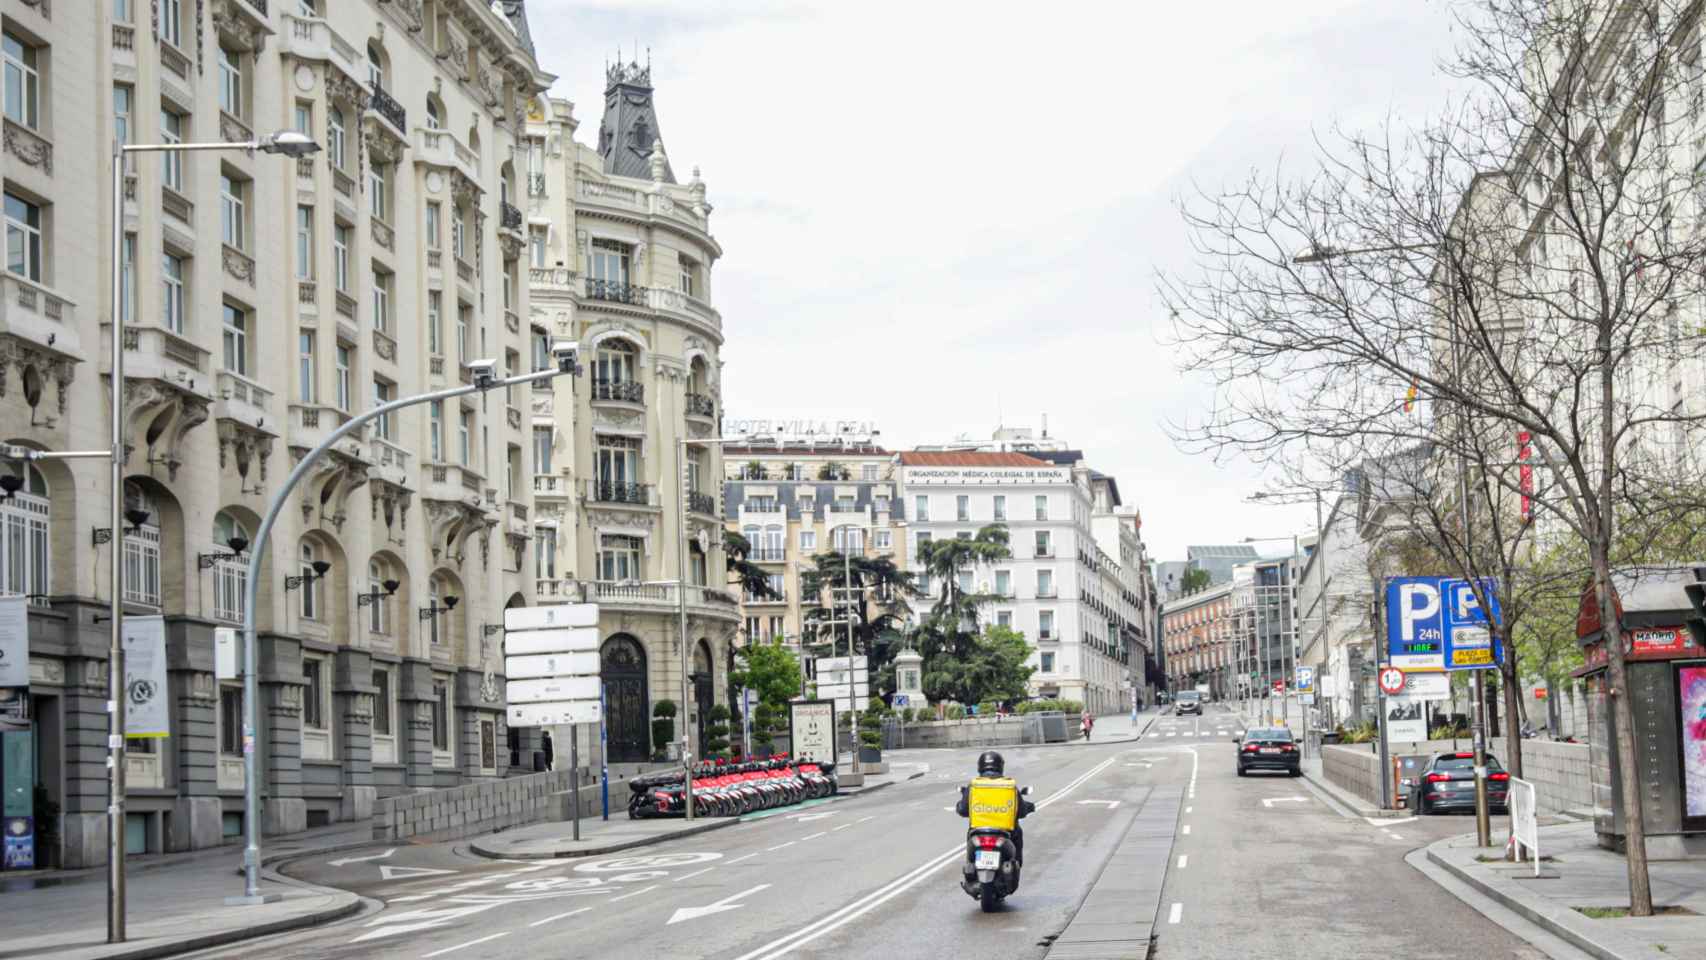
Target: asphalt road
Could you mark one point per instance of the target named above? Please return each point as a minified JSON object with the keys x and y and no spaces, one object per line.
{"x":1260,"y":867}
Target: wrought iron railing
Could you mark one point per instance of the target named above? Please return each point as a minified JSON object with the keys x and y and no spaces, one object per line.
{"x":383,"y":104}
{"x":701,"y":503}
{"x":615,"y":291}
{"x":615,"y":491}
{"x":699,"y":405}
{"x":628,"y":390}
{"x":509,"y":216}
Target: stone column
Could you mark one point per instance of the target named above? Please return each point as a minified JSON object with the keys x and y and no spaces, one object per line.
{"x":84,"y":840}
{"x":352,"y":691}
{"x":479,"y":699}
{"x":196,"y":815}
{"x":414,"y":710}
{"x":283,"y":808}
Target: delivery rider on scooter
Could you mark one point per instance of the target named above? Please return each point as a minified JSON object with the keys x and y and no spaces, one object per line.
{"x":992,"y":799}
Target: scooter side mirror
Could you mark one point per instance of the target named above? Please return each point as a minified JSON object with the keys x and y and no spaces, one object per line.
{"x":1024,"y":791}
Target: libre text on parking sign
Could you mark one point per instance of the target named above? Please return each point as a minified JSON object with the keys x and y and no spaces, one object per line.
{"x":1436,"y":623}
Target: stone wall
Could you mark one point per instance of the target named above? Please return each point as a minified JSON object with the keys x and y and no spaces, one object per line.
{"x":1353,"y":769}
{"x":489,"y":805}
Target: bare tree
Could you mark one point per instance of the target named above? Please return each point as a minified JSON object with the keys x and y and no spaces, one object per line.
{"x":1528,"y":261}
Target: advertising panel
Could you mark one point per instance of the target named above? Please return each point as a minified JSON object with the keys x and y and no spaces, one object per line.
{"x":1691,"y":699}
{"x":811,"y":730}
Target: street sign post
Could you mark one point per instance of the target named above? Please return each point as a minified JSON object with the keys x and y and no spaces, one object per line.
{"x":1391,"y":681}
{"x":551,"y":665}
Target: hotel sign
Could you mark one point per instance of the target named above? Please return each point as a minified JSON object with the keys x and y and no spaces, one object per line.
{"x":799,"y":428}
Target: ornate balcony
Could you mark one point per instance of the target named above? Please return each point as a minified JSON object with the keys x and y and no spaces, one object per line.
{"x":702,"y":503}
{"x":649,"y":597}
{"x":509,"y":216}
{"x":550,"y":485}
{"x":700,"y":405}
{"x":241,"y":398}
{"x":308,"y":38}
{"x":614,"y":292}
{"x":614,"y":491}
{"x":383,"y":104}
{"x":440,"y":148}
{"x":558,"y":278}
{"x":620,"y":391}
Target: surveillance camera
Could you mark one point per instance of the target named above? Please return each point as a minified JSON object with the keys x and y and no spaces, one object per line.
{"x":565,"y":351}
{"x":483,"y":372}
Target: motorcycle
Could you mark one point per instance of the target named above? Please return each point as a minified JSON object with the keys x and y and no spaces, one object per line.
{"x":991,"y":869}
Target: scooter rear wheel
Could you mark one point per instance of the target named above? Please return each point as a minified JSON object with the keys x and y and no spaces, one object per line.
{"x":991,"y":897}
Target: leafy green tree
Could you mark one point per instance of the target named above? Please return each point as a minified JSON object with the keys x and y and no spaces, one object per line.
{"x":944,"y":561}
{"x":768,"y":669}
{"x":879,"y":610}
{"x":717,"y":732}
{"x":992,"y":668}
{"x":1194,"y":579}
{"x":753,"y":580}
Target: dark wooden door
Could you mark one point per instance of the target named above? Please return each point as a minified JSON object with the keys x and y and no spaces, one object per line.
{"x":627,"y":708}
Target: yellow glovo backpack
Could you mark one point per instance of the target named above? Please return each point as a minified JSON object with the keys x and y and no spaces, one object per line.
{"x":993,"y":802}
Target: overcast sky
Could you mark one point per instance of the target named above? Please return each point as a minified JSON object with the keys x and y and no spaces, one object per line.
{"x":938,"y":215}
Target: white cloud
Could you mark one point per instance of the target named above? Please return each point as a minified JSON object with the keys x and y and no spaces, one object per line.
{"x":932,"y":211}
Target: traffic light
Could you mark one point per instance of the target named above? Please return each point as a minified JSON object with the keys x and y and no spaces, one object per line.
{"x":1697,"y":599}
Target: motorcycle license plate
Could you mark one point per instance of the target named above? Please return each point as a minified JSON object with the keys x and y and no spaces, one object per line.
{"x":988,"y":860}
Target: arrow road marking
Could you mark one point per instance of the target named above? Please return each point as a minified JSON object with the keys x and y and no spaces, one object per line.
{"x":727,"y":903}
{"x":393,"y":873}
{"x":1270,"y":801}
{"x":1111,"y":804}
{"x":377,"y":856}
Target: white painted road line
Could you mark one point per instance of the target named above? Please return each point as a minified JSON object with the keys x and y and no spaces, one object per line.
{"x":1174,"y":915}
{"x":461,"y":946}
{"x":1187,"y":830}
{"x":560,"y":916}
{"x":814,"y":836}
{"x":781,"y":845}
{"x":842,"y":827}
{"x":1183,"y":859}
{"x":747,"y":857}
{"x":694,"y":874}
{"x":634,"y":894}
{"x":863,"y":819}
{"x":1189,"y":809}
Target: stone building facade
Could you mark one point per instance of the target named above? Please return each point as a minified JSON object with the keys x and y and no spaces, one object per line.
{"x":1201,"y":634}
{"x":264,"y":302}
{"x":619,"y":260}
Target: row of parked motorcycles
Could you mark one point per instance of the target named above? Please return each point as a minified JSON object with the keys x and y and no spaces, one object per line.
{"x":731,"y":788}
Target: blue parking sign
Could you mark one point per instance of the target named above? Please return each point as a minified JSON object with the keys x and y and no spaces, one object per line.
{"x":1435,"y":623}
{"x":1468,"y":635}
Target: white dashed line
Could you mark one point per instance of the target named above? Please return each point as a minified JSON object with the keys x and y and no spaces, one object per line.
{"x":863,"y":819}
{"x":438,"y":953}
{"x":781,"y":845}
{"x":559,"y":916}
{"x":747,"y":857}
{"x":634,"y":894}
{"x":1187,"y":830}
{"x":1189,"y":809}
{"x":694,"y":874}
{"x":1174,"y":915}
{"x":842,"y":827}
{"x":813,"y":836}
{"x":1183,"y":859}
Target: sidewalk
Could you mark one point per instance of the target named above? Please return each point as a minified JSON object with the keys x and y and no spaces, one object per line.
{"x":175,"y":903}
{"x":1587,"y":876}
{"x":554,"y":839}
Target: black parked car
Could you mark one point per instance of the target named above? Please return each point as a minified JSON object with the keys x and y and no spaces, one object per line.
{"x":1448,"y":783}
{"x":1268,"y":748}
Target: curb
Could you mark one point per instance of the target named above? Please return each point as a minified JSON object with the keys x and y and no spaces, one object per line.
{"x":1559,"y":921}
{"x":1355,"y":804}
{"x":705,"y":827}
{"x":224,"y":938}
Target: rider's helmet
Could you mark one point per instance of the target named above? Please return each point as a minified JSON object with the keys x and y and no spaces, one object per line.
{"x":990,"y":764}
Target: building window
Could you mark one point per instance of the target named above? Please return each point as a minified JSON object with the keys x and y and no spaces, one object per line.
{"x":231,"y":721}
{"x":302,"y":118}
{"x":344,"y":361}
{"x":545,"y":552}
{"x":124,"y":107}
{"x":617,"y":459}
{"x":381,"y":300}
{"x":689,"y":271}
{"x":458,"y":234}
{"x":377,"y":612}
{"x":1045,"y":624}
{"x":433,"y":227}
{"x":848,"y":539}
{"x":127,"y":279}
{"x":304,"y":243}
{"x":172,"y":164}
{"x":884,"y":540}
{"x":375,"y":67}
{"x":921,"y":508}
{"x":868,"y":472}
{"x":1004,"y":618}
{"x":121,"y":10}
{"x":142,"y":551}
{"x":378,"y":189}
{"x":231,"y":82}
{"x":340,"y":256}
{"x":1044,"y":548}
{"x":236,"y":337}
{"x":173,"y":276}
{"x":610,"y":262}
{"x":311,"y":585}
{"x":1000,"y":507}
{"x":305,"y":366}
{"x":24,"y":535}
{"x":23,"y":81}
{"x":618,"y":557}
{"x":231,"y":211}
{"x":440,"y":715}
{"x":383,"y":393}
{"x":962,"y":508}
{"x":23,"y":238}
{"x":464,"y":314}
{"x":1042,"y":507}
{"x":335,"y":137}
{"x":1048,"y":663}
{"x":171,"y":21}
{"x":382,"y":703}
{"x":314,"y":693}
{"x":1045,"y":583}
{"x":541,"y":449}
{"x":536,"y":248}
{"x":435,"y":323}
{"x":808,"y":541}
{"x":434,"y":118}
{"x":614,"y":363}
{"x":435,"y":430}
{"x":230,"y":577}
{"x":1003,"y":583}
{"x":465,"y":437}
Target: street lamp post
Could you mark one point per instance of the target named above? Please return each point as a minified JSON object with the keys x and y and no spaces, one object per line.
{"x":285,"y":143}
{"x":565,"y":355}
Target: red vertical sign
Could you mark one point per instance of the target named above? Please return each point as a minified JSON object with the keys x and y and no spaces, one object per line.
{"x":1525,"y":475}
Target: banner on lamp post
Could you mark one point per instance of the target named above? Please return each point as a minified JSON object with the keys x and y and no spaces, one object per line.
{"x":146,"y":701}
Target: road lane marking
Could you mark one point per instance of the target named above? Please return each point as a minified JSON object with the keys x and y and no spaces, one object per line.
{"x":694,"y":874}
{"x":863,"y":819}
{"x":747,"y":857}
{"x":463,"y":946}
{"x":1393,"y":835}
{"x":1183,"y":859}
{"x":842,"y":827}
{"x":561,"y":916}
{"x":1187,"y":829}
{"x":789,"y":942}
{"x":1189,"y":809}
{"x":634,"y":894}
{"x":780,"y":846}
{"x":1174,"y":915}
{"x":814,"y":836}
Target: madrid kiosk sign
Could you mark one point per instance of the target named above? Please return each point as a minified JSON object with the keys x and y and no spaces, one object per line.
{"x":1661,"y":613}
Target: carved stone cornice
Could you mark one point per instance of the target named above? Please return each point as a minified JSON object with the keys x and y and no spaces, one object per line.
{"x":383,"y":146}
{"x":614,"y":518}
{"x":248,"y":444}
{"x":340,"y":87}
{"x":236,"y":23}
{"x":449,"y":525}
{"x":390,"y":501}
{"x":23,"y":354}
{"x":148,"y":404}
{"x":511,"y":244}
{"x":327,"y":488}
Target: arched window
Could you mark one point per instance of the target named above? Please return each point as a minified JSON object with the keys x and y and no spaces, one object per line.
{"x":24,"y":535}
{"x":335,"y":136}
{"x":375,"y":65}
{"x":230,"y":577}
{"x":615,"y":362}
{"x":141,"y":549}
{"x":379,"y":612}
{"x":311,"y":586}
{"x":773,"y":546}
{"x":442,"y":624}
{"x":434,"y":113}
